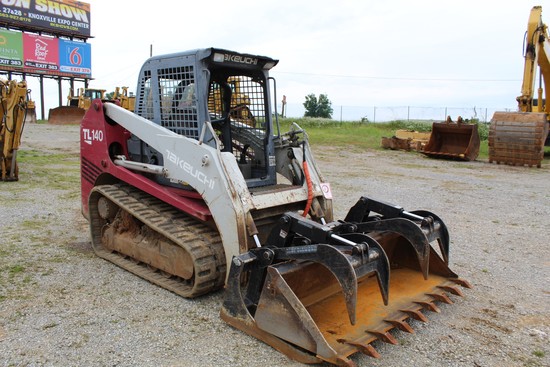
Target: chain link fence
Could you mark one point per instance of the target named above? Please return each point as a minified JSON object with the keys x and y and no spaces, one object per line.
{"x":402,"y":113}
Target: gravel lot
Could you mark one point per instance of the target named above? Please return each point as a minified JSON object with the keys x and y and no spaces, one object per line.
{"x":62,"y":306}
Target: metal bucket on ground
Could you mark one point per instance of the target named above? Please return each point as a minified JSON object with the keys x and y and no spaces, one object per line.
{"x":452,"y":140}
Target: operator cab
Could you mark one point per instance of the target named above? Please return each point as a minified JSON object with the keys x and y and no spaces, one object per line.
{"x":227,"y":89}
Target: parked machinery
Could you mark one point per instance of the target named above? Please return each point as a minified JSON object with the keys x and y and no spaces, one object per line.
{"x":12,"y":112}
{"x":192,"y":195}
{"x":518,"y":138}
{"x":76,"y":106}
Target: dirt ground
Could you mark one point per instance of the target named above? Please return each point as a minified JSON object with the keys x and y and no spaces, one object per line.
{"x":60,"y":305}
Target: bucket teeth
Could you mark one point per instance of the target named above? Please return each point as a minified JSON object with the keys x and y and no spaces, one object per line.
{"x":441,"y":298}
{"x":462,"y":282}
{"x":366,"y":349}
{"x":428,"y":305}
{"x":451,"y":289}
{"x":345,"y":362}
{"x":385,"y":336}
{"x":415,"y":314}
{"x":401,"y":325}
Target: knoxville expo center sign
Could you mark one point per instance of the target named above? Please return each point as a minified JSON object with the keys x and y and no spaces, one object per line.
{"x":44,"y":54}
{"x":64,"y":17}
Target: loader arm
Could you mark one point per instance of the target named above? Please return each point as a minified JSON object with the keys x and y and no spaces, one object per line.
{"x":201,"y":166}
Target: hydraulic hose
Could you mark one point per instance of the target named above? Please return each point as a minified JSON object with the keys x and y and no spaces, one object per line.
{"x":309,"y":188}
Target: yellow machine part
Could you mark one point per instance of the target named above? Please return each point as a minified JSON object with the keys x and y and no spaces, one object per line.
{"x":12,"y":111}
{"x":66,"y":115}
{"x":76,"y":107}
{"x":517,"y":138}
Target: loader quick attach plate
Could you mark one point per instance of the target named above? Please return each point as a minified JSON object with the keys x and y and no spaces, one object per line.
{"x":330,"y":294}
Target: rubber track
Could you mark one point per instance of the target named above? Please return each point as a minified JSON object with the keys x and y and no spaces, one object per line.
{"x":202,"y":243}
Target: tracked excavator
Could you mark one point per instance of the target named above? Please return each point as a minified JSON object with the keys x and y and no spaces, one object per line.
{"x":518,"y":138}
{"x":13,"y":106}
{"x":188,"y":195}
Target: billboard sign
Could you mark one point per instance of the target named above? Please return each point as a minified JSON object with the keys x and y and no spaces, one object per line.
{"x":75,"y":57}
{"x":41,"y":53}
{"x":11,"y":48}
{"x":65,"y":17}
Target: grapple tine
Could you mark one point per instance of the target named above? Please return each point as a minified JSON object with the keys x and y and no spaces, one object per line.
{"x":335,"y":261}
{"x":438,"y":231}
{"x":410,"y":231}
{"x":377,"y":262}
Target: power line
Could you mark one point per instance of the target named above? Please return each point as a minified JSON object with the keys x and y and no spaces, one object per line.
{"x":398,"y":78}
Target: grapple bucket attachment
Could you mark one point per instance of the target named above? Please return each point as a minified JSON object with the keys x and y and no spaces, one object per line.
{"x":453,"y":141}
{"x":324,"y":292}
{"x":64,"y":115}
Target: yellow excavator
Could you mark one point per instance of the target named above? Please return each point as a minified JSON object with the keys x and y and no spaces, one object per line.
{"x":518,"y":138}
{"x":13,"y":104}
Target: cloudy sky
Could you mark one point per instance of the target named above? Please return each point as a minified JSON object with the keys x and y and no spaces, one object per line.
{"x":360,"y":53}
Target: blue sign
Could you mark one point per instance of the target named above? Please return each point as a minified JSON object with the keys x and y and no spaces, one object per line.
{"x":75,"y":57}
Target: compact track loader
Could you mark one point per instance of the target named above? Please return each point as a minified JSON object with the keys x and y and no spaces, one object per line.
{"x":194,"y":196}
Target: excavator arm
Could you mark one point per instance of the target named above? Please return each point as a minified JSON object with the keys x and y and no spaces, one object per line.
{"x":13,"y":107}
{"x":537,"y":55}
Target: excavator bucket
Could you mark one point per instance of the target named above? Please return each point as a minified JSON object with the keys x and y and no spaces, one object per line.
{"x":518,"y":138}
{"x":453,"y":141}
{"x":322,"y":292}
{"x":66,"y":115}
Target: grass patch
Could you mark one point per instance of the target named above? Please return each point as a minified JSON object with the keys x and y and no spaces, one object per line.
{"x":42,"y":158}
{"x":539,"y":353}
{"x":15,"y":269}
{"x":368,"y":136}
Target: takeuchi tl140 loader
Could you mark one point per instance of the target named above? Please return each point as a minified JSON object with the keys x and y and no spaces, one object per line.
{"x":197,"y":190}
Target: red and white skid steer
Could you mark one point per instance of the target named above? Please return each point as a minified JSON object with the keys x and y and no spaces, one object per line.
{"x":197,"y":190}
